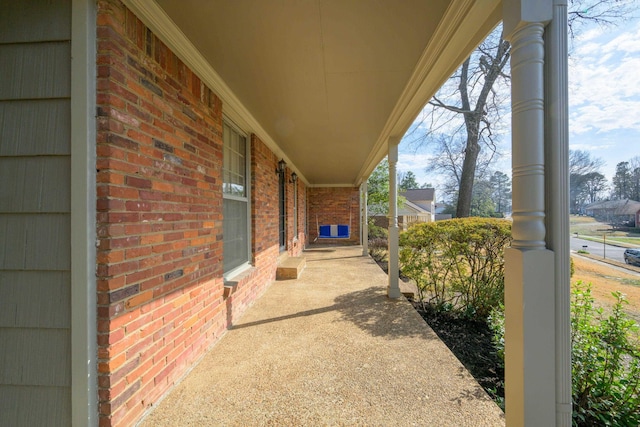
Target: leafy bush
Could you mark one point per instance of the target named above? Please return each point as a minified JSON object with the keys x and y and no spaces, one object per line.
{"x":377,"y":232}
{"x":457,"y":264}
{"x":378,"y":248}
{"x":605,"y":361}
{"x":496,"y":324}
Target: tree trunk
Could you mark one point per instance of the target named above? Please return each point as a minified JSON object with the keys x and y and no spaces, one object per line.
{"x":472,"y":120}
{"x":468,"y":174}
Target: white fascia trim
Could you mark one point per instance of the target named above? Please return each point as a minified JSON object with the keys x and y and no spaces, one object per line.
{"x":417,"y":208}
{"x":351,"y":185}
{"x":447,"y":49}
{"x":163,"y":26}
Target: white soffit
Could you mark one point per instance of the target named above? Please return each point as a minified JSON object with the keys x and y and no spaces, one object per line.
{"x":324,"y":83}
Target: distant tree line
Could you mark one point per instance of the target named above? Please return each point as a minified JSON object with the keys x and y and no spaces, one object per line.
{"x":588,"y":185}
{"x":491,"y":196}
{"x":626,"y":181}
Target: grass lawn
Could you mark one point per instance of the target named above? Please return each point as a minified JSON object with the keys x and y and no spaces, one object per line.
{"x":590,"y":229}
{"x":605,"y":280}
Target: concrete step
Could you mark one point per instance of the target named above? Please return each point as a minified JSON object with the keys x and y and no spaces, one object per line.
{"x":290,"y":268}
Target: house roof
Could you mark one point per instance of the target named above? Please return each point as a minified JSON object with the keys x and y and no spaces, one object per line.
{"x":619,"y":207}
{"x":410,"y":208}
{"x":421,"y":194}
{"x":326,"y":84}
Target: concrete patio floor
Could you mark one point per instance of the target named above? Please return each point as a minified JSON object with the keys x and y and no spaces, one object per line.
{"x":329,"y":349}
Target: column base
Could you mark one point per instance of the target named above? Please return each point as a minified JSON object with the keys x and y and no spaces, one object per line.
{"x":529,"y":337}
{"x":393,"y":291}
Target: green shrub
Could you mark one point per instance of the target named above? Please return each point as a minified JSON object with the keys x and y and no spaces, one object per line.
{"x":495,"y":321}
{"x":378,"y":248}
{"x":457,"y":264}
{"x":605,"y":361}
{"x":376,"y":232}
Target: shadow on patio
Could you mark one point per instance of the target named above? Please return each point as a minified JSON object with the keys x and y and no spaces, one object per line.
{"x":329,"y":349}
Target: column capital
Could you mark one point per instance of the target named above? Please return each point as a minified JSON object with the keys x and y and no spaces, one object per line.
{"x":517,"y":13}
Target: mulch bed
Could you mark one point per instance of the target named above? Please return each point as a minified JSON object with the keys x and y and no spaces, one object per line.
{"x":470,"y":341}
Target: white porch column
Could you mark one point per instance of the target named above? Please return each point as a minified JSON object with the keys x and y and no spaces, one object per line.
{"x":529,"y":266}
{"x":393,"y":291}
{"x":364,"y":222}
{"x":557,"y":198}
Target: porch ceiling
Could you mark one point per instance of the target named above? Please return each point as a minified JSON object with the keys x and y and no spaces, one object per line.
{"x":326,"y":83}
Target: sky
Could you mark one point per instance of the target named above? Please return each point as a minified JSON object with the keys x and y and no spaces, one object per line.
{"x":604,"y":101}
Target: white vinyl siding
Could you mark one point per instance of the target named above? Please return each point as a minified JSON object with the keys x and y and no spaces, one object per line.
{"x":35,"y":213}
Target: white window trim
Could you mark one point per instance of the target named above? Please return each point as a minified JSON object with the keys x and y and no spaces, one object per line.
{"x":295,"y":211}
{"x":229,"y":275}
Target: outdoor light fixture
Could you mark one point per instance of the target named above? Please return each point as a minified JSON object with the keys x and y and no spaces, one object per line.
{"x":294,"y":177}
{"x":281,"y":166}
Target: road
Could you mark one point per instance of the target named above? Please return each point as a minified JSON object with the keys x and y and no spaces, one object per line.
{"x":598,"y":249}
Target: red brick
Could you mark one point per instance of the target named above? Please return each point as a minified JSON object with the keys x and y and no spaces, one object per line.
{"x":159,"y":219}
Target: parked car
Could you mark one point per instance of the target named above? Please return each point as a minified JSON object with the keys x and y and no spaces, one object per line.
{"x":632,"y":256}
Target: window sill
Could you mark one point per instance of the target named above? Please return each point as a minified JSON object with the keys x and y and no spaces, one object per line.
{"x":236,"y":277}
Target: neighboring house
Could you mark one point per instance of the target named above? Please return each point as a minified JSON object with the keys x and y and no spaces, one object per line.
{"x":158,"y":158}
{"x":618,"y":212}
{"x":411,"y":213}
{"x":418,"y":207}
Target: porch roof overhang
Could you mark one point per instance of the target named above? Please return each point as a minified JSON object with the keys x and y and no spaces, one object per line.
{"x":326,"y":84}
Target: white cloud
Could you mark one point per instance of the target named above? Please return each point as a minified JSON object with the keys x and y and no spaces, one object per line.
{"x":415,"y":163}
{"x":603,"y":80}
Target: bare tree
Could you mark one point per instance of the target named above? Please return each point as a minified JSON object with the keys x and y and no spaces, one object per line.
{"x":595,"y":184}
{"x":448,"y":162}
{"x":586,"y":182}
{"x":474,"y":98}
{"x":581,"y":162}
{"x":601,"y":12}
{"x":468,"y":107}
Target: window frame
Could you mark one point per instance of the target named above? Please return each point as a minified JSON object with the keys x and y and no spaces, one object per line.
{"x":295,"y":210}
{"x":226,"y":123}
{"x":282,"y":211}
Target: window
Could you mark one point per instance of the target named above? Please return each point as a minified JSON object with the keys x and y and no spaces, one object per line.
{"x":235,"y":189}
{"x":295,"y":209}
{"x":282,"y":206}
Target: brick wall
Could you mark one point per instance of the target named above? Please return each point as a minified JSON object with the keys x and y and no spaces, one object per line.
{"x":334,"y":205}
{"x":161,"y":301}
{"x":265,"y":211}
{"x":295,"y":242}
